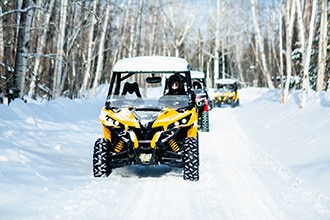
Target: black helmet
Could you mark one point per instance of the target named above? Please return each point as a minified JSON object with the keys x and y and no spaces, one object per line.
{"x":175,"y":85}
{"x":197,"y":85}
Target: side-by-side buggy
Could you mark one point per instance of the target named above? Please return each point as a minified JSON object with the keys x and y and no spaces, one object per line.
{"x":142,"y":125}
{"x":226,"y":93}
{"x":204,"y":102}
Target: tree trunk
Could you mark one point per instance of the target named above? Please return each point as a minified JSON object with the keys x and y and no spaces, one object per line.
{"x":137,"y":39}
{"x":41,"y":43}
{"x":217,"y":42}
{"x":23,"y":47}
{"x":281,"y":66}
{"x":323,"y":43}
{"x":88,"y":62}
{"x":305,"y":84}
{"x":289,"y":17}
{"x":99,"y":67}
{"x":122,"y":33}
{"x":261,"y":47}
{"x":7,"y":76}
{"x":60,"y":51}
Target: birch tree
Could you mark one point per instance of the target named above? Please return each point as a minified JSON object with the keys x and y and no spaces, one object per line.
{"x":99,"y":66}
{"x":289,"y":16}
{"x":281,"y":64}
{"x":260,"y":46}
{"x":23,"y":46}
{"x":179,"y":27}
{"x":323,"y":44}
{"x":7,"y":69}
{"x":60,"y":51}
{"x":121,"y":33}
{"x":90,"y":46}
{"x":136,"y":32}
{"x":217,"y":40}
{"x":307,"y":54}
{"x":45,"y":17}
{"x":213,"y":48}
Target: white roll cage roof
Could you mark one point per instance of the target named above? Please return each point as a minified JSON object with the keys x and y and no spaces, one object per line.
{"x":225,"y":81}
{"x":152,"y":64}
{"x":195,"y":74}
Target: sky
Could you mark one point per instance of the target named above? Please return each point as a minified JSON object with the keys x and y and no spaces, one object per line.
{"x":261,"y":160}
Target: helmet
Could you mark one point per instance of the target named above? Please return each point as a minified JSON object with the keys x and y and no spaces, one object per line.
{"x":175,"y":85}
{"x":197,"y":85}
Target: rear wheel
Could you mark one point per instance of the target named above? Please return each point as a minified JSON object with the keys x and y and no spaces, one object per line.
{"x":205,"y":122}
{"x":233,"y":103}
{"x":101,"y":158}
{"x":191,"y":159}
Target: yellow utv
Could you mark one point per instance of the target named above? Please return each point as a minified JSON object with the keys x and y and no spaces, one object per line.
{"x":226,"y":93}
{"x":142,"y":125}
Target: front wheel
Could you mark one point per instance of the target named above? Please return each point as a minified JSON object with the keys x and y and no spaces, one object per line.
{"x":101,"y":158}
{"x":191,"y":159}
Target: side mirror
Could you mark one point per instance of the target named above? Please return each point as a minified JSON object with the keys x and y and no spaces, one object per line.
{"x":191,"y":98}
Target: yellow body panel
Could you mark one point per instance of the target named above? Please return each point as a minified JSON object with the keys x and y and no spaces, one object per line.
{"x":167,"y":117}
{"x":124,"y":117}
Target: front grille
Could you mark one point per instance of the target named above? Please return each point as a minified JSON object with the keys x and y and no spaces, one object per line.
{"x":145,"y":135}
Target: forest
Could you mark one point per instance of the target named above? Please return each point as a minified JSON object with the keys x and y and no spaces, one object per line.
{"x":54,"y":48}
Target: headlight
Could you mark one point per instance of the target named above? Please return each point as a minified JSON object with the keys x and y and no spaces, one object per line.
{"x":111,"y":121}
{"x":230,"y":94}
{"x":182,"y":121}
{"x":108,"y":121}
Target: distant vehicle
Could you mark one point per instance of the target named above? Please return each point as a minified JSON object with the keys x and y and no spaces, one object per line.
{"x":145,"y":125}
{"x":203,"y":100}
{"x":226,"y":93}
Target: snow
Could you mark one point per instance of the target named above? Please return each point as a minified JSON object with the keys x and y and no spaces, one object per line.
{"x":225,"y":81}
{"x":262,"y":160}
{"x":196,"y":74}
{"x":152,"y":63}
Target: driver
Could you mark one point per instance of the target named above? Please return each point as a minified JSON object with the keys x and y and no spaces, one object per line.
{"x":175,"y":86}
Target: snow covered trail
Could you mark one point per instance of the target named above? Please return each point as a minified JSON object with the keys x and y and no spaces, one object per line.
{"x":46,"y":173}
{"x":237,"y":181}
{"x":249,"y":184}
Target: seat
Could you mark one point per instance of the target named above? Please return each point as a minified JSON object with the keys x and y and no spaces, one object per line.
{"x":131,"y":88}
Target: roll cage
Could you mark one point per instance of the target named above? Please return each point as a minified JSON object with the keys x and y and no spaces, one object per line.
{"x":151,"y":66}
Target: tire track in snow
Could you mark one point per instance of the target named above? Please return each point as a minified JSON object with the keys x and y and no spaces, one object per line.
{"x":250,"y":185}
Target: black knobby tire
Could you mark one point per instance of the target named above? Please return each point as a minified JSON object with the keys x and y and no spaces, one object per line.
{"x":101,"y":157}
{"x":191,"y":159}
{"x":205,"y":122}
{"x":233,"y":104}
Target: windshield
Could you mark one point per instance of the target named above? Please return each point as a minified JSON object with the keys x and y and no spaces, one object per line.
{"x":149,"y":90}
{"x":177,"y":101}
{"x":225,"y":87}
